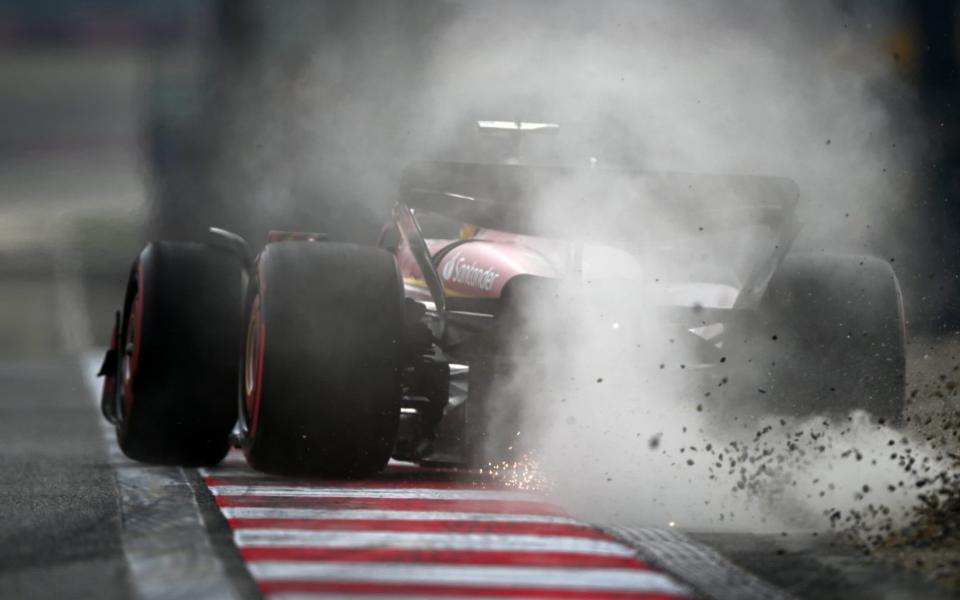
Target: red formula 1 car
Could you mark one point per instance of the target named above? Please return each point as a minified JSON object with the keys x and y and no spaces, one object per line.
{"x":329,"y":358}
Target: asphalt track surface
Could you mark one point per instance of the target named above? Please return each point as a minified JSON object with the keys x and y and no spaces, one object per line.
{"x":60,"y":522}
{"x":80,"y":520}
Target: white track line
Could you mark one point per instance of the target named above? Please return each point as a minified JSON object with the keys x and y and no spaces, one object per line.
{"x":484,"y":576}
{"x":244,"y":512}
{"x":300,"y":538}
{"x":385,"y":493}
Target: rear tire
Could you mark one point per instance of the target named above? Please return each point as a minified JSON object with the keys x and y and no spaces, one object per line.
{"x":833,"y":326}
{"x":176,"y":366}
{"x":320,"y":392}
{"x":494,"y":407}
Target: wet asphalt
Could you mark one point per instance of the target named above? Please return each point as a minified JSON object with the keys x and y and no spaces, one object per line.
{"x":60,"y":518}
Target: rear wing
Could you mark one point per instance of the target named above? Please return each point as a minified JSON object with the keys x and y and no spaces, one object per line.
{"x":517,"y":198}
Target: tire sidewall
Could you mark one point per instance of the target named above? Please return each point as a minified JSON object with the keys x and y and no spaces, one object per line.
{"x":320,"y":411}
{"x":834,"y":328}
{"x":181,"y":410}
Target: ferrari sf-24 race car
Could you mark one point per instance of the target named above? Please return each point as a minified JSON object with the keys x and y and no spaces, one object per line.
{"x":327,"y":358}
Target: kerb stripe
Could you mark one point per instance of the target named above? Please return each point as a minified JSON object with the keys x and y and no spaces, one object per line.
{"x":620,"y":580}
{"x":469,"y":557}
{"x":426,"y":541}
{"x":257,"y":512}
{"x":386,"y":493}
{"x":286,"y":589}
{"x":433,"y":526}
{"x":418,"y":504}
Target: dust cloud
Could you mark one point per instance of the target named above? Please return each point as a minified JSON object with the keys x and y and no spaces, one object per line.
{"x":624,"y":427}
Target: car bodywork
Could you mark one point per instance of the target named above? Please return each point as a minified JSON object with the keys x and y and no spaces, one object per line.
{"x":702,"y":247}
{"x":471,"y":240}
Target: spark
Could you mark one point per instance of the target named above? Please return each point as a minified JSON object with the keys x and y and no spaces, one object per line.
{"x":524,"y":474}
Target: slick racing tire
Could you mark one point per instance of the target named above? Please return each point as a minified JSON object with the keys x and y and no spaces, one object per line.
{"x":494,"y":408}
{"x":320,"y":392}
{"x":176,"y":365}
{"x":834,"y":337}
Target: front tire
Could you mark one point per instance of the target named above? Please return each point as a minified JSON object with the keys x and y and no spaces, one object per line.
{"x":320,"y":392}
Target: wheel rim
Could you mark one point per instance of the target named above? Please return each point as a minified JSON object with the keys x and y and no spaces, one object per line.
{"x":253,"y":364}
{"x":131,"y":348}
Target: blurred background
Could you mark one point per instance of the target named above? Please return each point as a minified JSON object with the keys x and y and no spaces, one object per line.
{"x":128,"y":120}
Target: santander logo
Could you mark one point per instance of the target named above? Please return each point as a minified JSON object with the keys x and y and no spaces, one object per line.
{"x":456,"y":270}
